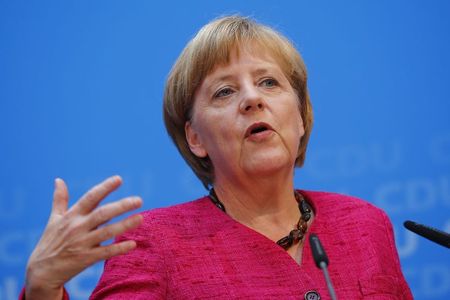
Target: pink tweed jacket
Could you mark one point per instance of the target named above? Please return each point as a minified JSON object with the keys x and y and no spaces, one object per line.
{"x":196,"y":251}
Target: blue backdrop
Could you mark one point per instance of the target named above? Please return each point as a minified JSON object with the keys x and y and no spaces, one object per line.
{"x":81,"y":86}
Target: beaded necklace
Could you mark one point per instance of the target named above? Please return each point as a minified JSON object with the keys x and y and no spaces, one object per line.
{"x":296,"y":235}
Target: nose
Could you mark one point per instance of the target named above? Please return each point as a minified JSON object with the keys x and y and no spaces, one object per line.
{"x":252,"y":100}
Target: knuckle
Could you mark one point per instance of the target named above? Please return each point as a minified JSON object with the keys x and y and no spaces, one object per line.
{"x":121,"y":247}
{"x":109,"y":251}
{"x":107,"y":233}
{"x":105,"y":185}
{"x":94,"y":193}
{"x":82,"y":203}
{"x":103,"y":188}
{"x":85,"y":201}
{"x":62,"y":225}
{"x":73,"y":252}
{"x":129,"y":223}
{"x":125,"y":204}
{"x":90,"y":195}
{"x":101,"y":215}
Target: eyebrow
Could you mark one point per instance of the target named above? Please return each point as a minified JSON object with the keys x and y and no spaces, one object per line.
{"x":261,"y":71}
{"x":220,"y":79}
{"x":258,"y":71}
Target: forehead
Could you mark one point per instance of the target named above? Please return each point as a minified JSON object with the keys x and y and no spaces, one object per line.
{"x":254,"y":57}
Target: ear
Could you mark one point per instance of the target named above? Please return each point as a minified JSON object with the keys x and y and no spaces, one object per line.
{"x":194,"y":141}
{"x":301,"y":126}
{"x":301,"y":129}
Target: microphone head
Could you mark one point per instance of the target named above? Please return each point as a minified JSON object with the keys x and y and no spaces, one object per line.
{"x":318,"y":251}
{"x":435,"y":235}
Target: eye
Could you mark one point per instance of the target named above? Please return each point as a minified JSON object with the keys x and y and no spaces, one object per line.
{"x":223,"y":92}
{"x":269,"y":82}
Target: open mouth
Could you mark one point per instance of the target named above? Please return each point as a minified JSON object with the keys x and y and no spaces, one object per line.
{"x":257,"y":128}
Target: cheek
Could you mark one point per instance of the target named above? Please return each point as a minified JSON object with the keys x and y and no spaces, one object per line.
{"x":298,"y":131}
{"x":216,"y":133}
{"x":295,"y":118}
{"x":298,"y":119}
{"x":292,"y":110}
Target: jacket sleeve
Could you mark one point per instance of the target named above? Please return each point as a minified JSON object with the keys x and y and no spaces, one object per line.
{"x":405,"y":292}
{"x":139,"y":274}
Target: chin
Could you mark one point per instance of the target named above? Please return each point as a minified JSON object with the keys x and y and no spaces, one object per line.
{"x":265,"y":166}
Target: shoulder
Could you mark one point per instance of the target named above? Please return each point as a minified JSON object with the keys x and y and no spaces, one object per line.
{"x":178,"y":213}
{"x":350,"y":218}
{"x":186,"y":219}
{"x":329,"y":204}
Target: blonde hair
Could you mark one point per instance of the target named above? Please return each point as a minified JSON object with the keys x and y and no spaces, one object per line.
{"x":211,"y":47}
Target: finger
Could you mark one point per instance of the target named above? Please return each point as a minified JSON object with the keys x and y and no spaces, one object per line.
{"x":106,"y":252}
{"x":108,"y":211}
{"x":92,"y":198}
{"x":60,"y":197}
{"x":108,"y":232}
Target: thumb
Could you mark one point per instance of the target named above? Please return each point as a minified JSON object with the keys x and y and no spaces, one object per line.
{"x":60,"y":197}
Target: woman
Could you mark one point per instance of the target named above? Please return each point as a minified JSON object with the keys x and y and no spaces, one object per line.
{"x":236,"y":105}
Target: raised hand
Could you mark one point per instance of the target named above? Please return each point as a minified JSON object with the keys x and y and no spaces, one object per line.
{"x":71,"y":240}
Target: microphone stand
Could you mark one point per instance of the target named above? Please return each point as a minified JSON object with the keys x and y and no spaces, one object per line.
{"x":321,"y":260}
{"x":324,"y":268}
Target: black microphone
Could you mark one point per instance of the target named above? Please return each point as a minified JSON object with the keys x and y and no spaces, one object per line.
{"x":321,"y":260}
{"x":435,"y":235}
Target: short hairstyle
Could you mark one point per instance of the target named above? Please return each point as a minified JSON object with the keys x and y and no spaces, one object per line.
{"x":211,"y":47}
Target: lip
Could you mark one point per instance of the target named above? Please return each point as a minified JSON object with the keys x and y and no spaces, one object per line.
{"x":249,"y":130}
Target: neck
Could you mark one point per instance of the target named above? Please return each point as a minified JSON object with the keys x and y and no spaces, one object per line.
{"x":266,"y":204}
